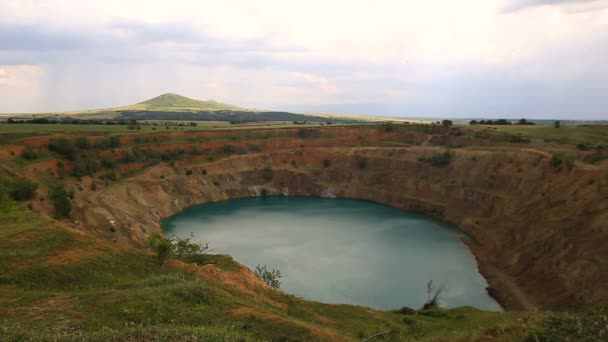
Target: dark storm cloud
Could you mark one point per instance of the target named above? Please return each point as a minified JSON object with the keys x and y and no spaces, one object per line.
{"x":517,"y":5}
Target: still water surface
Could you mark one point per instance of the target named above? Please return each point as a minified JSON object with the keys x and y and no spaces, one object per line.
{"x":341,"y":251}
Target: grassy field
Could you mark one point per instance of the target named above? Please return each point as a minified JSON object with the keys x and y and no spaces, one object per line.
{"x":68,"y":128}
{"x":565,"y":134}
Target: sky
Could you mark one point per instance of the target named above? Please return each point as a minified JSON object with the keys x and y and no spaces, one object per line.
{"x":470,"y":58}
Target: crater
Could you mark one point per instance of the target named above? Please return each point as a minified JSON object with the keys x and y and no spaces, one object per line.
{"x":341,"y":251}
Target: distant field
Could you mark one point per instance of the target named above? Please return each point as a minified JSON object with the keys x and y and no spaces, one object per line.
{"x":28,"y":128}
{"x":568,"y":134}
{"x":201,"y":125}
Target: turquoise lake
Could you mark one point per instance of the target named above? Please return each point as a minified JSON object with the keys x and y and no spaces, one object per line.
{"x":341,"y":251}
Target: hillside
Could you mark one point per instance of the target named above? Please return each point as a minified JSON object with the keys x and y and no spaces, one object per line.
{"x":175,"y":107}
{"x":174,"y":102}
{"x":534,"y":211}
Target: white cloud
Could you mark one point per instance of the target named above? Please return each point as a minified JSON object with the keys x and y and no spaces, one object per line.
{"x":269,"y":52}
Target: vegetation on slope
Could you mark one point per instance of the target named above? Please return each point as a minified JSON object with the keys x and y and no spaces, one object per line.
{"x":59,"y":283}
{"x":172,"y":102}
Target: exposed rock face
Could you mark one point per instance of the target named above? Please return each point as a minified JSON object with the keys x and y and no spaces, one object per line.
{"x":539,"y":234}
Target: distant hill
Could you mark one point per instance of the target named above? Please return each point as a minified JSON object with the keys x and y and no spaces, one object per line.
{"x":171,"y":106}
{"x":172,"y":101}
{"x":174,"y":107}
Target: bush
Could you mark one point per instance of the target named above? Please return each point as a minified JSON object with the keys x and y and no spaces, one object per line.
{"x":229,"y":149}
{"x":85,"y":166}
{"x":19,"y":189}
{"x":255,"y":148}
{"x":520,"y":139}
{"x":308,"y":133}
{"x":438,"y":159}
{"x":110,"y":141}
{"x":172,"y":246}
{"x":570,"y":326}
{"x":162,"y":246}
{"x":60,"y":199}
{"x":63,"y":147}
{"x":362,"y":163}
{"x":407,"y":311}
{"x":270,"y":277}
{"x":185,"y":246}
{"x":594,"y":158}
{"x":326,"y":163}
{"x":583,"y":147}
{"x":559,"y":159}
{"x":192,"y":293}
{"x":388,"y":127}
{"x":82,"y":143}
{"x":28,"y":154}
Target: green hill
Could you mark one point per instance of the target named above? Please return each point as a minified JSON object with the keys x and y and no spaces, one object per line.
{"x":174,"y":107}
{"x":172,"y":101}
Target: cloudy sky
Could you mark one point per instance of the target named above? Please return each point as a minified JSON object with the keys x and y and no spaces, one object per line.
{"x":469,"y":58}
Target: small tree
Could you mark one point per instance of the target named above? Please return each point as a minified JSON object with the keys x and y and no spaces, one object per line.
{"x":165,"y":247}
{"x":447,"y":123}
{"x":557,"y":124}
{"x":185,"y":246}
{"x":432,"y":295}
{"x":162,"y":246}
{"x":60,"y":198}
{"x":269,"y":276}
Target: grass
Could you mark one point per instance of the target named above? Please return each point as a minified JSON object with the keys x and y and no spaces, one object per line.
{"x":566,"y":134}
{"x":68,"y":128}
{"x":172,"y":101}
{"x":58,"y":283}
{"x":61,"y":284}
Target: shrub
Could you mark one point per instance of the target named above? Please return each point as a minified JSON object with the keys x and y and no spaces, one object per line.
{"x":388,"y":127}
{"x":269,"y":276}
{"x":63,"y":147}
{"x":433,"y":295}
{"x":82,"y":143}
{"x":437,"y":159}
{"x":194,"y":293}
{"x":570,"y":326}
{"x":267,"y":174}
{"x":559,"y":159}
{"x":362,"y":163}
{"x":583,"y":147}
{"x":162,"y":246}
{"x":594,"y":158}
{"x":255,"y":148}
{"x":407,"y":311}
{"x":179,"y":247}
{"x":19,"y":189}
{"x":109,"y":142}
{"x":185,"y":246}
{"x":229,"y":149}
{"x":326,"y":163}
{"x":520,"y":139}
{"x":85,"y":166}
{"x":28,"y":154}
{"x":308,"y":133}
{"x":60,"y":199}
